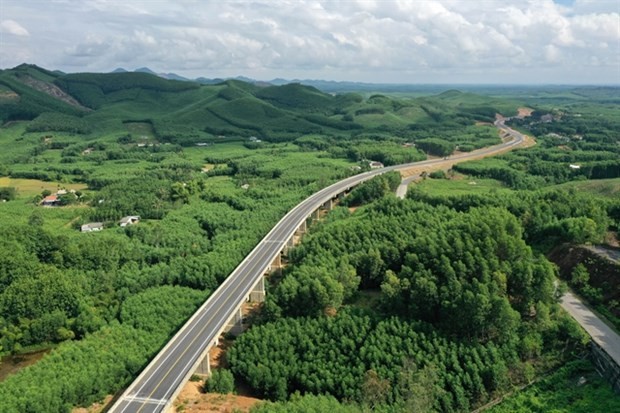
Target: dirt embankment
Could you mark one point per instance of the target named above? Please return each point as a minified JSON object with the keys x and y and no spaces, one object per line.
{"x":604,"y":273}
{"x":193,"y":400}
{"x":474,"y":155}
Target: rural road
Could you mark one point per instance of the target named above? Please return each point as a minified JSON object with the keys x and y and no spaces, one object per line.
{"x":609,"y":253}
{"x":600,"y":332}
{"x":401,"y":191}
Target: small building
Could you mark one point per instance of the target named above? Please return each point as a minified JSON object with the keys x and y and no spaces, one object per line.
{"x":375,"y":164}
{"x":129,"y":220}
{"x":92,"y":226}
{"x":50,"y":200}
{"x":575,"y":167}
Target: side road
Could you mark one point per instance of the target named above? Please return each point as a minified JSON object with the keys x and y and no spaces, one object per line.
{"x":600,"y":332}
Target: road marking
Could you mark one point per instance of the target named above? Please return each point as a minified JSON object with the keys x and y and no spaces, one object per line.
{"x":256,"y":255}
{"x":205,"y":325}
{"x":145,"y":400}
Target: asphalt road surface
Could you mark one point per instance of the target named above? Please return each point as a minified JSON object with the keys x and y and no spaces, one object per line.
{"x":600,"y":332}
{"x":611,"y":254}
{"x":156,"y":387}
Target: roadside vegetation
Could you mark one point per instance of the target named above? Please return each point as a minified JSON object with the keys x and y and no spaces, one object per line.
{"x":463,"y":304}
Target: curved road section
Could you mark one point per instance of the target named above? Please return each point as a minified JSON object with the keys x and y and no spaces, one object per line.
{"x":159,"y":383}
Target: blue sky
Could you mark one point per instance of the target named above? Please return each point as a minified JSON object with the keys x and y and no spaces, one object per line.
{"x":387,"y":41}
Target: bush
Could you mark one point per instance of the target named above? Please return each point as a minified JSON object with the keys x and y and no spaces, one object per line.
{"x":7,"y":193}
{"x":441,"y":174}
{"x":221,"y":381}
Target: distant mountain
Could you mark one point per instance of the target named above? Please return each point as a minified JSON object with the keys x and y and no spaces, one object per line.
{"x":145,"y":70}
{"x":174,"y":76}
{"x":119,"y":70}
{"x":206,"y":81}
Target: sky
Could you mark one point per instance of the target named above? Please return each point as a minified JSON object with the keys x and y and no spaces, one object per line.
{"x":377,"y":41}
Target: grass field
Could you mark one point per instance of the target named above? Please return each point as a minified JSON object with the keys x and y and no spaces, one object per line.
{"x":31,"y":187}
{"x":459,"y":185}
{"x":140,"y":129}
{"x":607,"y":188}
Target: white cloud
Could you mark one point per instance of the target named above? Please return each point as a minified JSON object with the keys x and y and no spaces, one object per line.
{"x":12,"y":27}
{"x":397,"y":40}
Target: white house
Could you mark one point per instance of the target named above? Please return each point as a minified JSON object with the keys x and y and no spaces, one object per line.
{"x":129,"y":220}
{"x":92,"y":226}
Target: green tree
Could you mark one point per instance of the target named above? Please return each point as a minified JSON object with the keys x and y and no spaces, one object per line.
{"x":7,"y":193}
{"x":220,"y":381}
{"x":580,"y":276}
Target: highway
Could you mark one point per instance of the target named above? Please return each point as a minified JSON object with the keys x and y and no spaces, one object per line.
{"x":155,"y":389}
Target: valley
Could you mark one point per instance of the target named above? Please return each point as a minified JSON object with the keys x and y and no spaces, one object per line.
{"x":464,"y":307}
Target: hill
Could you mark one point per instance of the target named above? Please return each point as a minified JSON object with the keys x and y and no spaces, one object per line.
{"x":187,"y":112}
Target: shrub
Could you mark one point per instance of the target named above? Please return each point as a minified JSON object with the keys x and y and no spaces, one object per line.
{"x":221,"y":381}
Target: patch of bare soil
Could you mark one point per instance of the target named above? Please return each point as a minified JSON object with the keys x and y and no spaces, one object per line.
{"x":524,"y":112}
{"x":604,"y":273}
{"x":52,"y":90}
{"x":192,"y":400}
{"x":611,"y":239}
{"x":9,"y":96}
{"x":13,"y":364}
{"x":95,"y":407}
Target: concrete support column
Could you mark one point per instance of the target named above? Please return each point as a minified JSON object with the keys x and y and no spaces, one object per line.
{"x":302,"y":228}
{"x":329,"y":205}
{"x":277,"y":263}
{"x":257,"y":295}
{"x":316,"y":215}
{"x":290,"y":243}
{"x":235,"y":324}
{"x":204,"y":368}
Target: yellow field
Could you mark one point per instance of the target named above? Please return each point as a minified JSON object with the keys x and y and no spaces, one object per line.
{"x":31,"y":187}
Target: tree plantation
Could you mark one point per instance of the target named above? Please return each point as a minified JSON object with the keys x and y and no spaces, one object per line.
{"x":442,"y":301}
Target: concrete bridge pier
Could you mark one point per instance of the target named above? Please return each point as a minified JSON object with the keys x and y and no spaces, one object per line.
{"x":316,"y":215}
{"x":257,"y":295}
{"x":303,"y":228}
{"x":235,"y":324}
{"x":204,"y":368}
{"x":276,"y":264}
{"x":290,"y":243}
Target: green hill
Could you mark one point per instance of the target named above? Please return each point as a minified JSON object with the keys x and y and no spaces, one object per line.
{"x":28,"y":90}
{"x":296,"y":96}
{"x":188,"y":112}
{"x":95,"y":89}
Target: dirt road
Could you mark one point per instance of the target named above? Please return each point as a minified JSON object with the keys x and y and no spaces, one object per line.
{"x":506,"y":133}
